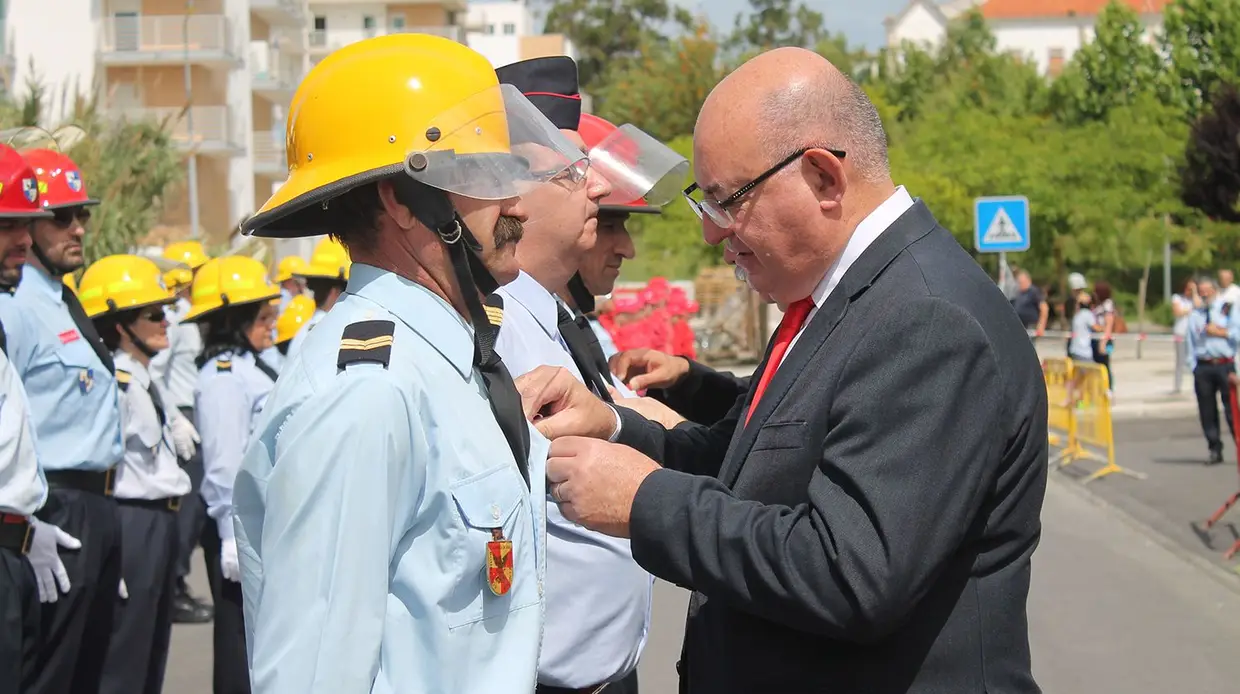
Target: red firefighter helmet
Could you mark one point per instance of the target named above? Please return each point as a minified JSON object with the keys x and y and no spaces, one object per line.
{"x":594,"y":130}
{"x":60,"y":180}
{"x":19,"y":188}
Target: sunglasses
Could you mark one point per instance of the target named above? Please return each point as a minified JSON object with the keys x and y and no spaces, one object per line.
{"x":154,"y":315}
{"x":65,"y":216}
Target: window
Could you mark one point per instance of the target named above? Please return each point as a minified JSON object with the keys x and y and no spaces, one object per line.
{"x":490,"y":29}
{"x":1054,"y":62}
{"x":368,"y":26}
{"x":510,"y":29}
{"x":398,"y":22}
{"x":320,"y":23}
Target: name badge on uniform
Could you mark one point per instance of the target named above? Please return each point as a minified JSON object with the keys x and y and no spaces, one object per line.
{"x":68,"y":336}
{"x":86,"y":380}
{"x":499,"y":562}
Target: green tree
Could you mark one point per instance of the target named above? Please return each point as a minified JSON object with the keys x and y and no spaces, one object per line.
{"x":775,"y":23}
{"x":1202,"y":39}
{"x":855,"y":62}
{"x":1113,"y":70}
{"x":128,"y":167}
{"x":607,"y":30}
{"x":662,"y":91}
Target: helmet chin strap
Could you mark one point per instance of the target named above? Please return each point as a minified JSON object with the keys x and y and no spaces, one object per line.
{"x":52,"y":268}
{"x":139,"y":343}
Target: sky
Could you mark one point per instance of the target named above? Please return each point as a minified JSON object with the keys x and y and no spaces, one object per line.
{"x":860,"y":20}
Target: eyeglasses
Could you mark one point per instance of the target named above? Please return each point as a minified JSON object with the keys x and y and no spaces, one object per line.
{"x":64,"y":217}
{"x":717,"y":210}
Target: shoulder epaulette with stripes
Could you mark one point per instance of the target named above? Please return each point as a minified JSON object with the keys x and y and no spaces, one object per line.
{"x":366,"y":341}
{"x":494,"y":307}
{"x":223,"y":365}
{"x":122,"y":379}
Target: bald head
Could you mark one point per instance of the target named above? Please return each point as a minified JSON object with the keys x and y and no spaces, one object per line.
{"x":794,"y":98}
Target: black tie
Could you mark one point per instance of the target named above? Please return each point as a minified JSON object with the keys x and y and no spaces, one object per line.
{"x":579,"y":348}
{"x":87,"y":328}
{"x":266,"y":368}
{"x":502,"y":393}
{"x":158,"y":402}
{"x":596,"y":350}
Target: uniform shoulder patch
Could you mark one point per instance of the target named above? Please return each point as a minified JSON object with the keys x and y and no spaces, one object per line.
{"x":223,"y":365}
{"x":494,"y":307}
{"x":123,"y":379}
{"x":366,"y":341}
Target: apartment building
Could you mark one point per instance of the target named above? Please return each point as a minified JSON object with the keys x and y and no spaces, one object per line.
{"x":505,"y":32}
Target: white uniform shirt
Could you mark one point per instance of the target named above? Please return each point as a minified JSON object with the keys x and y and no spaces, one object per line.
{"x":174,"y":369}
{"x":23,"y":488}
{"x":149,"y":469}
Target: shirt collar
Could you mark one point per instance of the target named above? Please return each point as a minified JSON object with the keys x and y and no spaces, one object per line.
{"x":541,"y":304}
{"x":424,"y":312}
{"x":862,"y":237}
{"x":36,"y":279}
{"x":126,"y":362}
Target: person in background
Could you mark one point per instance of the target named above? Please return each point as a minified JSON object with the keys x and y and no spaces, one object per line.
{"x":292,"y":319}
{"x":1182,"y":306}
{"x":1213,"y":333}
{"x":1081,"y":341}
{"x":326,"y":276}
{"x":234,"y":302}
{"x":175,"y":371}
{"x":286,"y":276}
{"x":125,"y":297}
{"x":1030,"y":304}
{"x":1228,"y":289}
{"x":1105,"y":315}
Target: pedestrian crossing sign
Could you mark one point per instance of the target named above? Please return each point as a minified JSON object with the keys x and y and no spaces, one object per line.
{"x":1001,"y":224}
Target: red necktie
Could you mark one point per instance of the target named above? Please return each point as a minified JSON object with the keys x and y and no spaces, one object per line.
{"x":789,"y":326}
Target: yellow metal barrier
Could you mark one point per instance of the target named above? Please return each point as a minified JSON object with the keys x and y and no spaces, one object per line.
{"x":1079,"y":416}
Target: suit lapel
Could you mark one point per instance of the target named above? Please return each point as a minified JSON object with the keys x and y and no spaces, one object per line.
{"x":914,"y":224}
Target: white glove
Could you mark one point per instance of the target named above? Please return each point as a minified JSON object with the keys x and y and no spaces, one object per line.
{"x":229,"y":565}
{"x":184,"y":437}
{"x":124,"y":590}
{"x":44,"y":558}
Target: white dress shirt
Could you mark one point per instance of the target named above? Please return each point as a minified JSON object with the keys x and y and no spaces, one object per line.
{"x":598,"y":598}
{"x":23,"y":488}
{"x":863,"y":236}
{"x":149,"y":469}
{"x":174,"y":369}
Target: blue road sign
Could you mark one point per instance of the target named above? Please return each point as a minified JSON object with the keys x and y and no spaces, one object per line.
{"x":1001,"y":224}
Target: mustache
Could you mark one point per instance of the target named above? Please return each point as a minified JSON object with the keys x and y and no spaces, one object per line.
{"x":508,"y":230}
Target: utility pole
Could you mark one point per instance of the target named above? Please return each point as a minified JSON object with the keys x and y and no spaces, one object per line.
{"x":189,"y":128}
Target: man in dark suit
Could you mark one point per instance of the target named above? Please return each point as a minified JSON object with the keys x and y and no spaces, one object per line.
{"x":693,"y":390}
{"x":863,"y":521}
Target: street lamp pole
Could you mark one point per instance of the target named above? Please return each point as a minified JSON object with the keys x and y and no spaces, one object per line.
{"x":189,"y":128}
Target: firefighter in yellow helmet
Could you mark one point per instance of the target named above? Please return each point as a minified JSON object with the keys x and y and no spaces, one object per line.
{"x":396,"y":440}
{"x":234,"y":302}
{"x":126,"y":298}
{"x":286,"y":277}
{"x":176,"y":371}
{"x":292,"y":319}
{"x":326,"y":276}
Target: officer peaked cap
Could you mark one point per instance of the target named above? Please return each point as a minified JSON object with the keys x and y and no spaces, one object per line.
{"x":550,"y":84}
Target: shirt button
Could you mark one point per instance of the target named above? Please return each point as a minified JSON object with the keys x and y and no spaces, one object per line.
{"x":540,"y":589}
{"x":494,"y":512}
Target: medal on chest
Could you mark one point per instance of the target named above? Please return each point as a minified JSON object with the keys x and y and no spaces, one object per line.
{"x":86,"y":380}
{"x":499,"y":562}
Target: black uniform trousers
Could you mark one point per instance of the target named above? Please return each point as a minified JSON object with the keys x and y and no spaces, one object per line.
{"x":628,"y":685}
{"x":77,"y":628}
{"x":1210,"y":382}
{"x":192,"y":518}
{"x":19,"y":623}
{"x":142,"y":626}
{"x":231,"y":674}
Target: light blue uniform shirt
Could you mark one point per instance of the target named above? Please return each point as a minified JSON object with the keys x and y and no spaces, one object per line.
{"x":72,"y":396}
{"x":23,"y":489}
{"x":1202,"y":346}
{"x":364,"y":509}
{"x":230,"y":395}
{"x":598,"y":598}
{"x":1080,"y":345}
{"x":300,"y":338}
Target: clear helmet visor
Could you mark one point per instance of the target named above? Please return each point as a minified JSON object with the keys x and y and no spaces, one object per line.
{"x":29,"y":137}
{"x":638,"y":167}
{"x":494,"y":145}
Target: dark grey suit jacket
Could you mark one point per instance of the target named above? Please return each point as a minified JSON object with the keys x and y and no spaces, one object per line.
{"x":704,"y":395}
{"x":870,"y":530}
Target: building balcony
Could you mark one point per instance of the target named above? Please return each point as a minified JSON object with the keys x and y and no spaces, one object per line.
{"x":280,"y":12}
{"x":212,"y":133}
{"x":269,"y":155}
{"x":273,"y":74}
{"x":331,"y":39}
{"x":169,"y":40}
